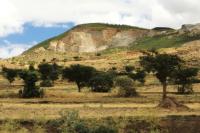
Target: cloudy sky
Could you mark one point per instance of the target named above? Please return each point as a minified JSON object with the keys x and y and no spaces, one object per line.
{"x":24,"y":23}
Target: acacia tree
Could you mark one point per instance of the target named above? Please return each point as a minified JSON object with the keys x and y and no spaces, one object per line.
{"x":9,"y":74}
{"x":184,"y":77}
{"x":163,"y":67}
{"x":79,"y":74}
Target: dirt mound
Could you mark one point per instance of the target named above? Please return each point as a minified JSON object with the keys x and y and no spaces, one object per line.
{"x":172,"y":104}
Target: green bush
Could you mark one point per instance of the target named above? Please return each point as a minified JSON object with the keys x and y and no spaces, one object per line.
{"x":72,"y":123}
{"x":126,"y":86}
{"x":104,"y":129}
{"x":30,"y":89}
{"x":101,"y":83}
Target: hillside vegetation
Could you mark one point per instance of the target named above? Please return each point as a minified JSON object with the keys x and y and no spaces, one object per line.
{"x":163,"y":41}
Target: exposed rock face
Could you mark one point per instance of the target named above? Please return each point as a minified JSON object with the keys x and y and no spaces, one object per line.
{"x":93,"y":40}
{"x":191,"y":29}
{"x":57,"y":46}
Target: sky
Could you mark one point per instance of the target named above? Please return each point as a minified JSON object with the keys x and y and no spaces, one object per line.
{"x":24,"y":23}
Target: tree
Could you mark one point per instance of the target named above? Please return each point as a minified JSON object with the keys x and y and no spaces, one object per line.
{"x":79,"y":74}
{"x":30,"y":89}
{"x":32,"y":68}
{"x":56,"y":70}
{"x":9,"y":74}
{"x":163,"y":66}
{"x":49,"y":73}
{"x":45,"y":70}
{"x":102,"y":82}
{"x":126,"y":86}
{"x":138,"y":75}
{"x":184,"y":77}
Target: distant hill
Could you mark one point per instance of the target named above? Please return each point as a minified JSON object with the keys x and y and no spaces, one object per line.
{"x":92,"y":37}
{"x":106,"y":45}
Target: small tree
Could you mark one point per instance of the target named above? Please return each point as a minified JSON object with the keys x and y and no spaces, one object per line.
{"x":79,"y":74}
{"x":56,"y":70}
{"x":129,"y":69}
{"x":9,"y":74}
{"x":163,"y":66}
{"x":49,"y":73}
{"x":138,"y":75}
{"x":30,"y":89}
{"x":32,"y":68}
{"x":185,"y":77}
{"x":126,"y":86}
{"x":102,"y":82}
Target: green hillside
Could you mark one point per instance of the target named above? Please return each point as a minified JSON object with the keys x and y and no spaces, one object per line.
{"x":163,"y":41}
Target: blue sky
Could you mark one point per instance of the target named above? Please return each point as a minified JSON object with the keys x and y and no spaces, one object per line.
{"x":32,"y":34}
{"x":16,"y":43}
{"x":23,"y":23}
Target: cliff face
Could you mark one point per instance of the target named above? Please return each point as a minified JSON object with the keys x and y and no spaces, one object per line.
{"x":91,"y":39}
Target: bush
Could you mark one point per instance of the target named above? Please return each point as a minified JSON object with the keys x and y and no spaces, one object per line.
{"x":30,"y":90}
{"x":101,"y":83}
{"x":126,"y":86}
{"x":129,"y":68}
{"x":104,"y":129}
{"x":77,"y":58}
{"x":98,"y":54}
{"x":71,"y":123}
{"x":46,"y":83}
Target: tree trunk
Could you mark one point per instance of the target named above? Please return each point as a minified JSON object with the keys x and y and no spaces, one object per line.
{"x":164,"y":90}
{"x":79,"y":87}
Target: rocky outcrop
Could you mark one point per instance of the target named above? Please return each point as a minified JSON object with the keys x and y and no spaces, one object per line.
{"x":190,"y":29}
{"x":94,"y":40}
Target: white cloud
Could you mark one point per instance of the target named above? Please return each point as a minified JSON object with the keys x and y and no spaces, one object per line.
{"x":144,"y":13}
{"x":54,"y":13}
{"x":9,"y":50}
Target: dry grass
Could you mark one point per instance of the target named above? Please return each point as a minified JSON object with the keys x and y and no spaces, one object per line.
{"x":64,"y":96}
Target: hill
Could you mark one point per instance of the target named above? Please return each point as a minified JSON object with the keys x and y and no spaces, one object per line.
{"x":104,"y":45}
{"x":92,"y":37}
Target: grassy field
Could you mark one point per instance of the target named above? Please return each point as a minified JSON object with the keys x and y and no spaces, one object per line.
{"x":64,"y":96}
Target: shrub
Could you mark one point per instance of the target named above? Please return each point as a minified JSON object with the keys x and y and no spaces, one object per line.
{"x":104,"y":129}
{"x":98,"y":54}
{"x":71,"y":123}
{"x":129,"y":68}
{"x":101,"y":83}
{"x":30,"y":89}
{"x":139,"y":76}
{"x":9,"y":74}
{"x":126,"y":86}
{"x":184,"y":78}
{"x":77,"y":58}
